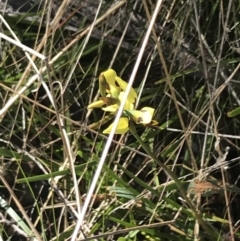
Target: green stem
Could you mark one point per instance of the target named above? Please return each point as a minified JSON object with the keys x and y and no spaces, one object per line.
{"x":207,"y":228}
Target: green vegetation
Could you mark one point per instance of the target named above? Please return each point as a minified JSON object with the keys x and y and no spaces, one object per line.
{"x":170,"y":172}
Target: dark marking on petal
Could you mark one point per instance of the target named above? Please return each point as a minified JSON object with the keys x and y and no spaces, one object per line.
{"x":116,"y":83}
{"x":108,"y":100}
{"x":140,"y":119}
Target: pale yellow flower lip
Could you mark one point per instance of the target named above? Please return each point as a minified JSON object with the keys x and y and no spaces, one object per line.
{"x":147,"y":114}
{"x":122,"y":127}
{"x":143,"y":116}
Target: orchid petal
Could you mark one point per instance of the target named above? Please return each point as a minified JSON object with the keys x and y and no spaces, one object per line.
{"x":122,"y":126}
{"x":111,"y":108}
{"x":96,"y":104}
{"x":107,"y":83}
{"x":128,"y":105}
{"x":143,"y":116}
{"x":150,"y":110}
{"x":153,"y":124}
{"x":123,"y":84}
{"x":109,"y":100}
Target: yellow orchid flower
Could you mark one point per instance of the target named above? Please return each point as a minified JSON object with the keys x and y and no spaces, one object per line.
{"x":112,"y":89}
{"x":122,"y":126}
{"x":143,"y":116}
{"x":110,"y":83}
